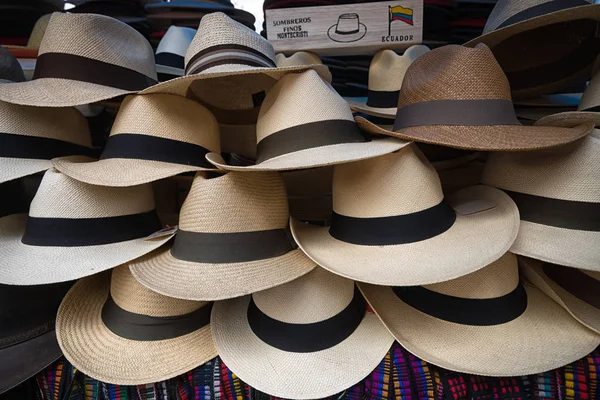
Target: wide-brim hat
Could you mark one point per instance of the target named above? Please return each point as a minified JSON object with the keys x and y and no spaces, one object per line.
{"x":346,"y":37}
{"x":170,"y":53}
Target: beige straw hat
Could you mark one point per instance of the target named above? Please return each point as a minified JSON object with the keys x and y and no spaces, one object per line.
{"x":31,"y":136}
{"x":36,"y":36}
{"x":305,"y":123}
{"x":543,"y":45}
{"x":297,"y":59}
{"x":392,"y":226}
{"x":486,"y":323}
{"x":153,"y":137}
{"x":310,"y":338}
{"x":386,"y":74}
{"x":117,"y":331}
{"x":459,"y":97}
{"x":75,"y":230}
{"x":85,"y":58}
{"x":558,"y":195}
{"x":233,"y":239}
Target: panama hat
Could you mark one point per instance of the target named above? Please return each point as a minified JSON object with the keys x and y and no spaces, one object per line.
{"x":296,"y":59}
{"x":485,"y":323}
{"x":233,"y":239}
{"x":392,"y":226}
{"x":386,"y":73}
{"x":170,"y":53}
{"x":348,"y":29}
{"x":459,"y":97}
{"x":173,"y":137}
{"x":27,"y":338}
{"x":308,"y":339}
{"x":558,"y":195}
{"x":85,"y":58}
{"x":117,"y":331}
{"x":543,"y":45}
{"x":10,"y":69}
{"x":74,"y":229}
{"x":31,"y":136}
{"x":304,"y":123}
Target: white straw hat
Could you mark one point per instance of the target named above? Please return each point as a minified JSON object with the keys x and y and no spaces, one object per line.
{"x":558,"y":195}
{"x":304,"y":123}
{"x":117,"y":331}
{"x":171,"y":50}
{"x":153,"y":137}
{"x":233,"y":239}
{"x":392,"y":226}
{"x":310,"y":338}
{"x":75,"y":230}
{"x":486,"y":323}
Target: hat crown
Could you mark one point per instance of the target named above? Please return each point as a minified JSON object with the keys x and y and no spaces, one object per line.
{"x":388,"y":68}
{"x":38,"y":32}
{"x":10,"y":69}
{"x":176,"y":40}
{"x":299,"y":58}
{"x":348,"y":22}
{"x":591,"y":94}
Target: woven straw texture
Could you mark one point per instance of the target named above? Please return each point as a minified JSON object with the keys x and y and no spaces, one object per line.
{"x":10,"y":69}
{"x":297,"y":59}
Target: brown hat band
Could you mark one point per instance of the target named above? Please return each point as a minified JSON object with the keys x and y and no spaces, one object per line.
{"x":227,"y":54}
{"x":39,"y":148}
{"x":542,"y":9}
{"x":382,"y":98}
{"x":580,"y":285}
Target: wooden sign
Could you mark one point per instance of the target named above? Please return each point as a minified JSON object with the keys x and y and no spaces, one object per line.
{"x":346,"y":29}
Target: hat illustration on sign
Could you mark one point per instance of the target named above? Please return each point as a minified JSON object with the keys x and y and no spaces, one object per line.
{"x":347,"y":29}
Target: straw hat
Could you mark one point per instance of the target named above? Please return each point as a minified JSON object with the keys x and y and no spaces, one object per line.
{"x":386,"y":74}
{"x":296,"y":59}
{"x":85,"y":58}
{"x":170,"y":53}
{"x":10,"y":69}
{"x":36,"y":36}
{"x":115,"y":330}
{"x":558,"y":195}
{"x":153,"y":137}
{"x":310,"y":338}
{"x":486,"y":323}
{"x":74,"y":230}
{"x":543,"y":45}
{"x":233,"y":239}
{"x":392,"y":226}
{"x":304,"y":123}
{"x":459,"y":97}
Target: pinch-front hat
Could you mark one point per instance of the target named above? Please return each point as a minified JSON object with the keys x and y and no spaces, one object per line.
{"x":170,"y":53}
{"x":348,"y":29}
{"x":459,"y":97}
{"x":310,"y":338}
{"x":558,"y":195}
{"x":304,"y":123}
{"x":75,"y":230}
{"x":392,"y":226}
{"x":85,"y":58}
{"x":485,"y":323}
{"x":153,"y":137}
{"x":117,"y":331}
{"x":233,"y":239}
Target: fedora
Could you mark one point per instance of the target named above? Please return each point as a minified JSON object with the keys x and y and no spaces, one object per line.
{"x":173,"y":137}
{"x":74,"y":230}
{"x":117,"y":331}
{"x":27,"y":55}
{"x":347,"y":29}
{"x":543,"y":45}
{"x":31,"y":136}
{"x":201,"y":8}
{"x":558,"y":195}
{"x":27,"y":338}
{"x":170,"y":53}
{"x":386,"y":74}
{"x":483,"y":323}
{"x":233,"y":239}
{"x":309,"y":330}
{"x":85,"y":58}
{"x":304,"y":123}
{"x":459,"y":97}
{"x":392,"y":226}
{"x":10,"y":69}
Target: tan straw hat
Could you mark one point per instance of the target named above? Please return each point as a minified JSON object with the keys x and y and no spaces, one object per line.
{"x":296,"y":59}
{"x":386,"y":74}
{"x":392,"y":226}
{"x":31,"y":136}
{"x":310,"y":338}
{"x":459,"y":97}
{"x":486,"y":323}
{"x":85,"y":58}
{"x":558,"y":195}
{"x":305,"y":123}
{"x":233,"y":239}
{"x":75,"y":230}
{"x":117,"y":331}
{"x":543,"y":45}
{"x":153,"y":137}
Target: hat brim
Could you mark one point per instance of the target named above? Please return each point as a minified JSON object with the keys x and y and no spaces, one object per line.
{"x":94,"y":350}
{"x":473,"y":241}
{"x":486,"y":138}
{"x":14,"y":168}
{"x":24,"y":264}
{"x":296,"y":375}
{"x":168,"y":70}
{"x":347,"y":38}
{"x":544,"y":337}
{"x":169,"y":276}
{"x":359,"y":104}
{"x":570,"y":118}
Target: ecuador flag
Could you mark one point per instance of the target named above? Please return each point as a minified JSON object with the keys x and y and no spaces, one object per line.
{"x":399,"y":13}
